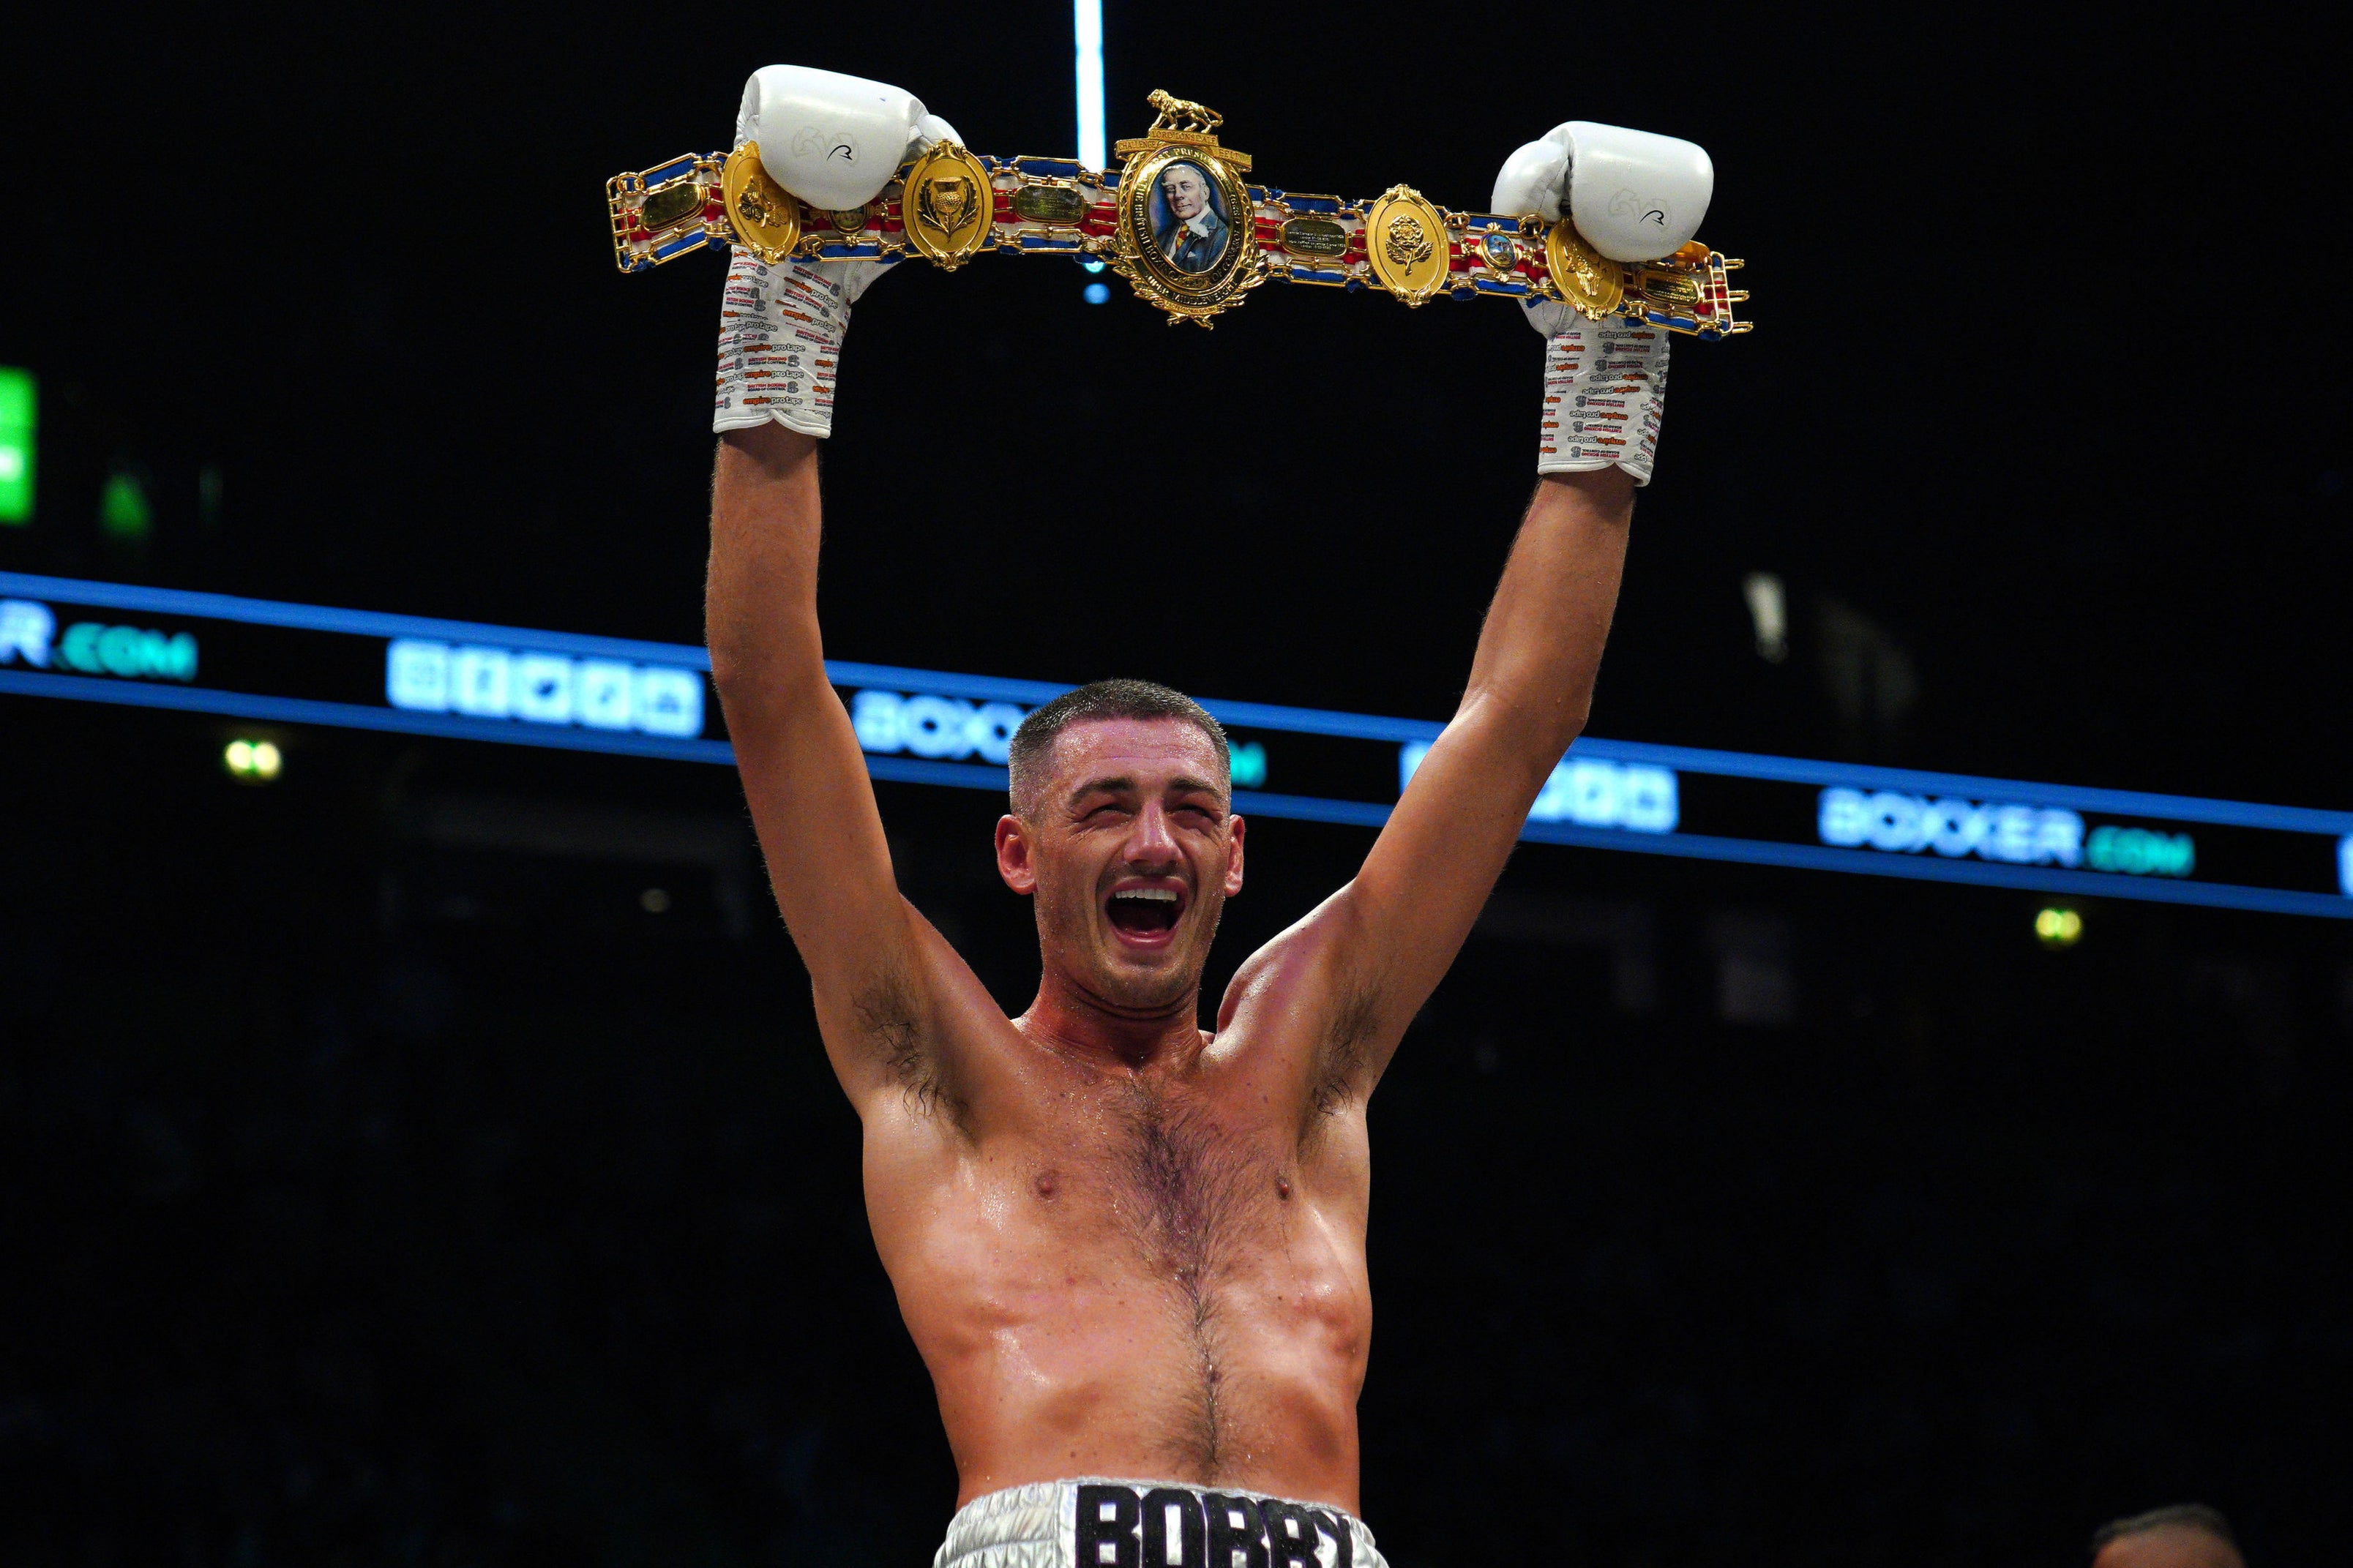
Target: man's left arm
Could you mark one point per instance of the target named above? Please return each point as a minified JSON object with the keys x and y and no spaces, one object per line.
{"x":1366,"y":960}
{"x":1389,"y":936}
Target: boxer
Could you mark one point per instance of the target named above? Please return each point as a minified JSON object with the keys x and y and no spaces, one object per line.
{"x":1131,"y":1250}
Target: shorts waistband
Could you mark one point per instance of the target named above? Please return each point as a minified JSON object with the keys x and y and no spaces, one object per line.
{"x":1091,"y":1521}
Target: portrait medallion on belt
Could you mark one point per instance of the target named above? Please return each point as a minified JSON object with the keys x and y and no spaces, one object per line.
{"x":1186,"y":237}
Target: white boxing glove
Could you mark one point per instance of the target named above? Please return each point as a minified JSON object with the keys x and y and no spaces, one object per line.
{"x":1634,"y":196}
{"x":781,"y":326}
{"x":833,"y":140}
{"x":1605,"y":388}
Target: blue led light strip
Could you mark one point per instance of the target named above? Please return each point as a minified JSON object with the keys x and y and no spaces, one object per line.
{"x":358,"y":716}
{"x":321,"y":619}
{"x":1239,"y":715}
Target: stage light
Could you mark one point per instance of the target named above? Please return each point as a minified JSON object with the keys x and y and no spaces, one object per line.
{"x":18,"y":407}
{"x":252,"y":762}
{"x":1087,"y":24}
{"x":1769,"y":607}
{"x":1098,"y":294}
{"x":654,"y":900}
{"x":2058,"y":926}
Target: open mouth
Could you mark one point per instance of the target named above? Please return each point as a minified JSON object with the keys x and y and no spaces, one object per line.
{"x":1144,"y":914}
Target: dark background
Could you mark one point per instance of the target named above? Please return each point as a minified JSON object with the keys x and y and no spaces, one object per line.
{"x":373,"y":1190}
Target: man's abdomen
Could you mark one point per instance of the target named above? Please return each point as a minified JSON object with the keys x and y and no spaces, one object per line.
{"x":1053,"y":1358}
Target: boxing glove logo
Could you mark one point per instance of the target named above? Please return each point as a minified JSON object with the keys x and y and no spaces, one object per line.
{"x":1626,"y":204}
{"x":809,"y":139}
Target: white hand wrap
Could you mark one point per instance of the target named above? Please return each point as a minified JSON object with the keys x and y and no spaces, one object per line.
{"x":1605,"y":387}
{"x":780,"y":331}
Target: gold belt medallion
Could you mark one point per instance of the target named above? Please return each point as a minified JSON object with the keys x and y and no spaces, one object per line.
{"x":1586,"y":279}
{"x":1405,"y":237}
{"x":949,"y":203}
{"x":767,"y":220}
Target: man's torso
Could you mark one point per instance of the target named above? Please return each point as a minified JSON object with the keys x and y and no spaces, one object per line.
{"x":1158,"y":1273}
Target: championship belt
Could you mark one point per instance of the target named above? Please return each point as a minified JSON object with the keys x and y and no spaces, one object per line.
{"x":1177,"y":220}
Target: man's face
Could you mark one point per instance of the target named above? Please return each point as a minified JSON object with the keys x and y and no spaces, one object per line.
{"x":1130,"y":857}
{"x":1186,"y":194}
{"x":2169,"y":1546}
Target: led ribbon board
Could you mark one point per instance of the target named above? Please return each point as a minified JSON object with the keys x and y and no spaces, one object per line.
{"x":305,"y":664}
{"x":950,"y":204}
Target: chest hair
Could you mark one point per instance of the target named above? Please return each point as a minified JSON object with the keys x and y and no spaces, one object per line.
{"x":1197,"y":1199}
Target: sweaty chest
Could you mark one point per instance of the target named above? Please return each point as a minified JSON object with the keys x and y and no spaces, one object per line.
{"x":1181,"y":1188}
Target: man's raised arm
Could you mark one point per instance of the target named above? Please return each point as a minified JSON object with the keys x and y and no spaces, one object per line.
{"x":780,"y":335}
{"x":780,"y":340}
{"x":1530,"y":687}
{"x":1385,"y":942}
{"x":799,"y":759}
{"x":1379,"y":947}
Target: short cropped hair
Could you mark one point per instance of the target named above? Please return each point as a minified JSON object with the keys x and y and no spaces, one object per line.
{"x":2187,"y":1515}
{"x":1030,"y":754}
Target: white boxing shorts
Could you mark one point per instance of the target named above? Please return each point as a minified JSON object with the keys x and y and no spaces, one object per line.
{"x":1094,"y":1523}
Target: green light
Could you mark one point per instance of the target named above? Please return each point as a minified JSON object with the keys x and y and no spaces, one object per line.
{"x":1249,"y":765}
{"x":19,"y":405}
{"x":122,"y":509}
{"x":2058,"y":926}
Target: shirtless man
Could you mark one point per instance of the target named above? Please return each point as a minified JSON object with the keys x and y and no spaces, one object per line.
{"x":1127,"y":1246}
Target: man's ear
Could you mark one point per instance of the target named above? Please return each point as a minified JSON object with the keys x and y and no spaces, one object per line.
{"x":1234,"y":865}
{"x":1014,"y":860}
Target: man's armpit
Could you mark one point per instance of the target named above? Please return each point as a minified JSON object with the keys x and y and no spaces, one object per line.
{"x":1347,"y":1044}
{"x":890,"y":1024}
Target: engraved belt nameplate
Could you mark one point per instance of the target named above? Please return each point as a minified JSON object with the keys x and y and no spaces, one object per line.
{"x":1178,"y":219}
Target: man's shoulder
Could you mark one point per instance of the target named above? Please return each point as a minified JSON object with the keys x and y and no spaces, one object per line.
{"x":1311,"y":956}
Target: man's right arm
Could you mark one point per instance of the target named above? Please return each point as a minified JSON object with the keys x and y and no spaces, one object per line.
{"x":802,"y":770}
